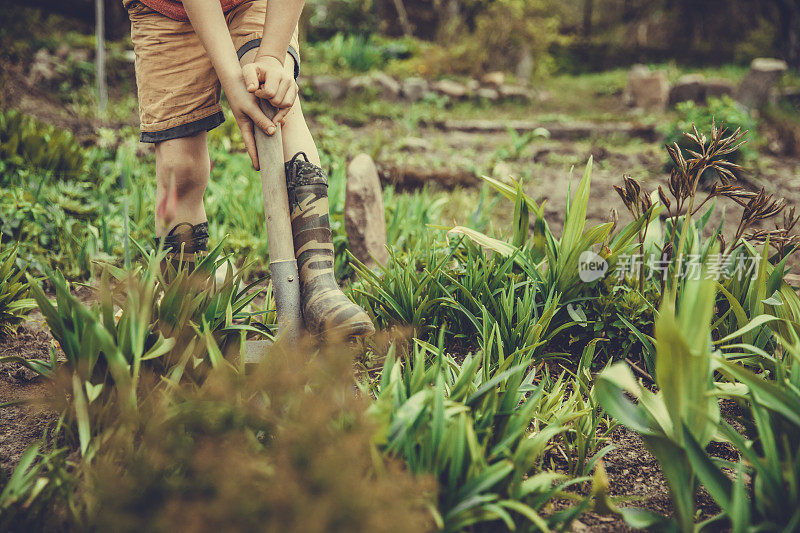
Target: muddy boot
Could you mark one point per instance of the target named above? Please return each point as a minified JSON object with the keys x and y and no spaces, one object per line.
{"x":186,"y":245}
{"x":326,"y":310}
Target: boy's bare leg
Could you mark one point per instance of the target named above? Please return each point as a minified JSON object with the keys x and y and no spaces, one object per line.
{"x":183,"y":168}
{"x":297,"y":137}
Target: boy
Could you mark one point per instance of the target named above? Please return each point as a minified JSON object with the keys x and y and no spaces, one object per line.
{"x":184,"y":52}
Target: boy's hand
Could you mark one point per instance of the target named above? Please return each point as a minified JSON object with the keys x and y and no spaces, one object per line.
{"x":248,"y":114}
{"x":270,"y":80}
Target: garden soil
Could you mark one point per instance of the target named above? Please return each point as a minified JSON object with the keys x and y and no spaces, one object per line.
{"x":22,"y":424}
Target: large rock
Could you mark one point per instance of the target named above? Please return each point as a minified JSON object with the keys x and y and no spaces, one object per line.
{"x":414,"y":89}
{"x":359,"y":84}
{"x":329,"y":87}
{"x":364,"y":219}
{"x":386,"y":86}
{"x":487,"y":93}
{"x":758,"y":86}
{"x":719,"y":88}
{"x":648,"y":89}
{"x":450,"y":88}
{"x":43,"y":66}
{"x":515,"y":92}
{"x":494,"y":79}
{"x":689,"y":87}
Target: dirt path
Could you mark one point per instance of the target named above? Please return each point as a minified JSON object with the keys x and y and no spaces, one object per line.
{"x":21,"y":425}
{"x":550,"y":169}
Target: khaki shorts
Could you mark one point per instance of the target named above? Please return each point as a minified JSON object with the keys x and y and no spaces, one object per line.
{"x":178,"y":89}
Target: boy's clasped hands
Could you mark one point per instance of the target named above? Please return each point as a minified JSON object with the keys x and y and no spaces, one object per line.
{"x":266,"y":78}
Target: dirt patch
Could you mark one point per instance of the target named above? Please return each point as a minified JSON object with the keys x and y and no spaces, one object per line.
{"x":19,"y":93}
{"x":22,"y":424}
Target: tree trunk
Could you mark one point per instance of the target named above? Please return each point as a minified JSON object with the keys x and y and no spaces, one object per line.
{"x":588,"y":10}
{"x":402,"y":15}
{"x":100,"y":57}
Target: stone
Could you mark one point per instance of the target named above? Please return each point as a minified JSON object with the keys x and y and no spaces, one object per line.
{"x":359,"y":84}
{"x":758,"y":86}
{"x":487,"y":93}
{"x":329,"y":87}
{"x":648,"y":89}
{"x":719,"y":88}
{"x":414,"y":89}
{"x":63,"y":51}
{"x":543,"y":96}
{"x":450,"y":88}
{"x":494,"y":79}
{"x":364,"y":219}
{"x":689,"y":87}
{"x":515,"y":92}
{"x":386,"y":86}
{"x":43,"y":66}
{"x":472,"y":86}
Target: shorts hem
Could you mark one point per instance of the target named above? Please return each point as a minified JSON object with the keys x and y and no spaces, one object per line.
{"x":184,"y":130}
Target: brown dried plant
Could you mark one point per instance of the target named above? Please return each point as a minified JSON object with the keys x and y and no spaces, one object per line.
{"x":781,"y":238}
{"x":712,"y":153}
{"x":639,"y":204}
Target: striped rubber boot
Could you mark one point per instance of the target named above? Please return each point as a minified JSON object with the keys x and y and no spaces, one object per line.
{"x":326,"y":310}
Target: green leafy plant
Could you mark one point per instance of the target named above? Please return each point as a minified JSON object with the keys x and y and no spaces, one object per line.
{"x":557,"y":261}
{"x":519,"y":142}
{"x":26,"y":142}
{"x":14,"y":301}
{"x":470,"y":428}
{"x":406,"y":292}
{"x":178,"y":323}
{"x":771,"y":458}
{"x":685,"y":399}
{"x":41,"y":480}
{"x":355,"y":52}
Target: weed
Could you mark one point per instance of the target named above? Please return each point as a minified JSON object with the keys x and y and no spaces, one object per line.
{"x":14,"y":301}
{"x":722,"y":111}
